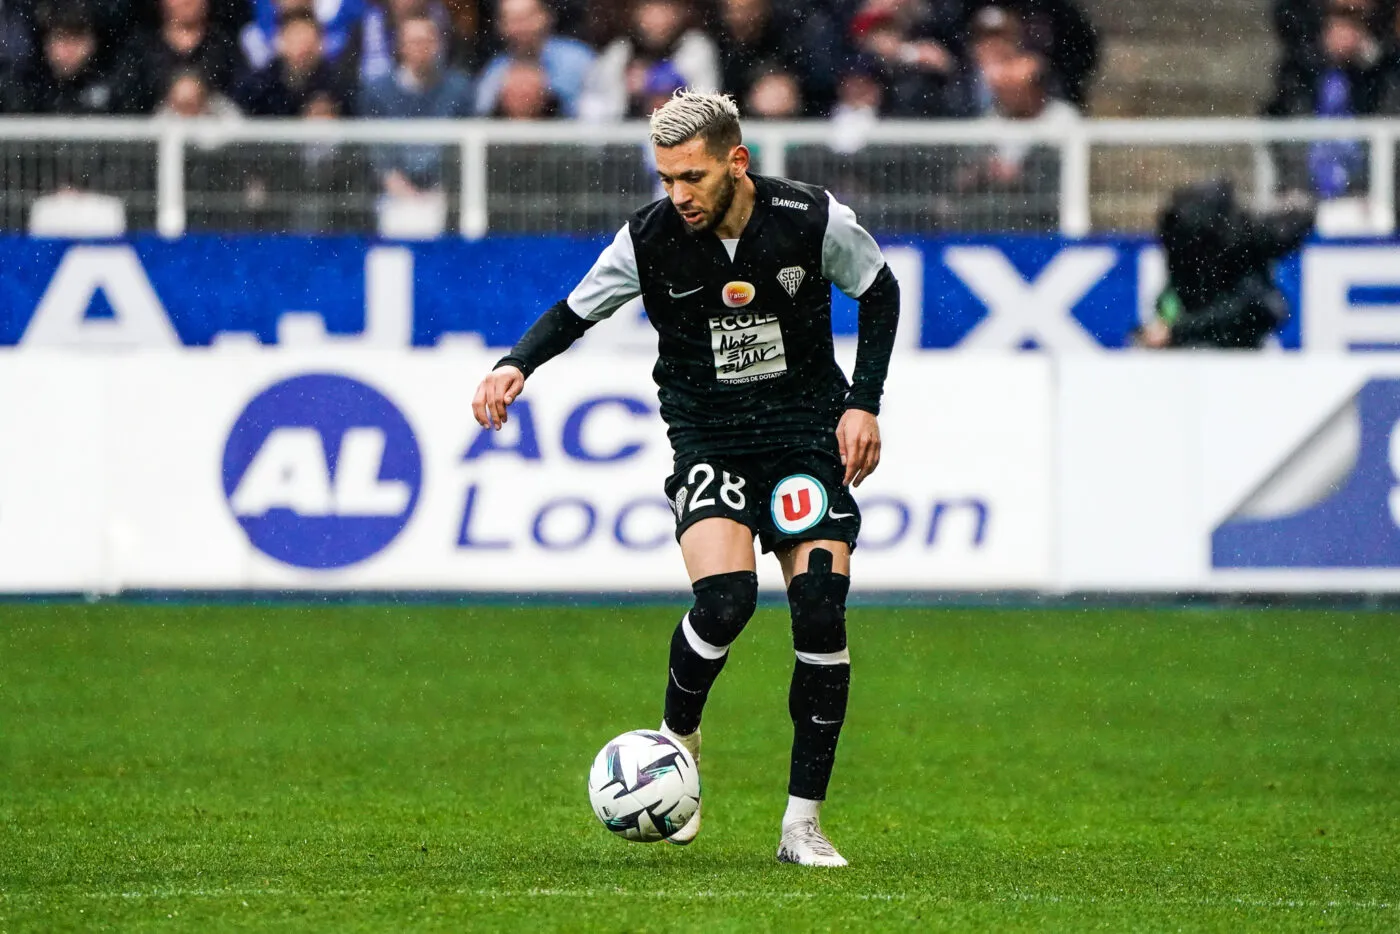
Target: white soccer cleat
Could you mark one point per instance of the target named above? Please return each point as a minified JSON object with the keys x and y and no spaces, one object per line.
{"x":804,"y":843}
{"x":691,"y":742}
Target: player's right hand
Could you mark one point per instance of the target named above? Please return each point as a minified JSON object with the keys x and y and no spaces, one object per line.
{"x":497,"y":391}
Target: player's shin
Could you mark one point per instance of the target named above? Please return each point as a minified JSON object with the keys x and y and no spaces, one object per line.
{"x":821,"y":677}
{"x":700,"y":645}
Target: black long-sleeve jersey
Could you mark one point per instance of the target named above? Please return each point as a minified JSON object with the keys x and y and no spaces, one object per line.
{"x":745,"y":358}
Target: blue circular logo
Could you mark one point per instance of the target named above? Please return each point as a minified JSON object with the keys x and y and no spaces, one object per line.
{"x":321,"y":471}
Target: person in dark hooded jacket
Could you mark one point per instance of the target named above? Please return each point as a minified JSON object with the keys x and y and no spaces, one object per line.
{"x":1220,"y":290}
{"x":69,"y":76}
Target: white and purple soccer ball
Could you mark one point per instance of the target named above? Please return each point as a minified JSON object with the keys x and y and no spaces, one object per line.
{"x":644,"y":786}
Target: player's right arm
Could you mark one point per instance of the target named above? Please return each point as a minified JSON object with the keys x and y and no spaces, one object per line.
{"x":610,"y":284}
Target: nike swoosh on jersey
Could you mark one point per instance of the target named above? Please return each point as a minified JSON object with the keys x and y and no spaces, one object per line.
{"x":833,"y":514}
{"x":675,"y":294}
{"x":819,"y":720}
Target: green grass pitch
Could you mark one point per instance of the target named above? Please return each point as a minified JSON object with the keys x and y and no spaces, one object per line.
{"x":291,"y":768}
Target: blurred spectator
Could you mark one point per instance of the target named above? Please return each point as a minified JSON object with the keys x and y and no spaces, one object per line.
{"x":377,"y":42}
{"x":1059,"y":32}
{"x":421,"y":87}
{"x":660,"y":83}
{"x":526,"y":28}
{"x":752,"y":45}
{"x":1021,"y":179}
{"x":225,"y":16}
{"x":995,"y":40}
{"x":661,"y":33}
{"x":1298,"y":24}
{"x":1349,"y":82}
{"x":775,"y":94}
{"x":339,"y":21}
{"x":917,"y":46}
{"x":299,"y":71}
{"x":16,"y":38}
{"x":189,"y":95}
{"x":68,"y":77}
{"x":859,"y":97}
{"x":186,"y":39}
{"x":525,"y":94}
{"x":1220,"y":290}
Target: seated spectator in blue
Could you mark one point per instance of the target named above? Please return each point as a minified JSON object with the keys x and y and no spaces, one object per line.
{"x":526,"y":28}
{"x":1350,"y":82}
{"x":421,"y":87}
{"x":186,"y":39}
{"x":339,"y":20}
{"x":378,"y":35}
{"x":68,"y":76}
{"x":525,"y":94}
{"x":299,"y":71}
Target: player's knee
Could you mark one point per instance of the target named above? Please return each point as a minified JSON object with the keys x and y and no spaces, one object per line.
{"x":817,"y":598}
{"x":724,"y":604}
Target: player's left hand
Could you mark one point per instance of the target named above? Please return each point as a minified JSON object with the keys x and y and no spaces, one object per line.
{"x":858,"y":439}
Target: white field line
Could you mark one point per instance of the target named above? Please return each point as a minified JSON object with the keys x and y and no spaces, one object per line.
{"x":712,"y":895}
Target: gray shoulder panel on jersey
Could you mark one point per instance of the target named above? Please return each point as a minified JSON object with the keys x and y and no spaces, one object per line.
{"x":850,"y":257}
{"x":611,"y":283}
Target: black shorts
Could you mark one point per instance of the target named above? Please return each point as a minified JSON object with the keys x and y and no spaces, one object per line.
{"x":791,"y":496}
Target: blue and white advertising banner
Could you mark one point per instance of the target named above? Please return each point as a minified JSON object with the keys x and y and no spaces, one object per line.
{"x":333,"y":469}
{"x":1214,"y":472}
{"x":993,"y":294}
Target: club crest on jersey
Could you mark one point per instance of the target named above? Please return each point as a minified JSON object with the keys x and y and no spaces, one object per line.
{"x":737,"y":294}
{"x":790,"y":277}
{"x":799,"y":502}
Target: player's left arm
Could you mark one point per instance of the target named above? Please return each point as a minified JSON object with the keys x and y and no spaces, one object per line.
{"x":853,"y":262}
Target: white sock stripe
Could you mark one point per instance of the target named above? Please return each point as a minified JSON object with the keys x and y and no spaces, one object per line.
{"x":699,"y":645}
{"x":842,"y":657}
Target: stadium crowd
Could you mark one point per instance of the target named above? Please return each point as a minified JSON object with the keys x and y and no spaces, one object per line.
{"x":542,"y":59}
{"x":853,"y":62}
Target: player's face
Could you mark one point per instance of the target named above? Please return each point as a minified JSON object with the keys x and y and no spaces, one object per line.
{"x":700,"y":184}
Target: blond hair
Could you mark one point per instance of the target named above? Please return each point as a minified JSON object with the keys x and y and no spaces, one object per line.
{"x":688,"y":114}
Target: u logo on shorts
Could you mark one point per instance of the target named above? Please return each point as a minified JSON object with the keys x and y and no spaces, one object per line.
{"x":799,"y":502}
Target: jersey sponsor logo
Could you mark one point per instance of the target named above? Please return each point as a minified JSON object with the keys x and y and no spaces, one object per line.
{"x":1335,"y":500}
{"x":737,"y":294}
{"x":799,"y":502}
{"x":321,"y":471}
{"x":674,"y":294}
{"x":787,"y":203}
{"x":747,"y":347}
{"x":790,"y":277}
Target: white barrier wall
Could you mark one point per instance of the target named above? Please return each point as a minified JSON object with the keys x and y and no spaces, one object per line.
{"x":1229,"y":472}
{"x":336,"y":469}
{"x":363,"y":470}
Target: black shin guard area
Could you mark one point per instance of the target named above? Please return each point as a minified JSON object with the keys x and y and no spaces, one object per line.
{"x":723,"y":605}
{"x":817,"y":698}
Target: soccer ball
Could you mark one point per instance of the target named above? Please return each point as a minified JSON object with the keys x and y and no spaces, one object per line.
{"x":643,"y":786}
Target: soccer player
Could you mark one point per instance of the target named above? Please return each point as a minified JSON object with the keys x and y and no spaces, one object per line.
{"x":735,"y":270}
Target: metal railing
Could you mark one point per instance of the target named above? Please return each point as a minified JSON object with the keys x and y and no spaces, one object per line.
{"x":178,"y":176}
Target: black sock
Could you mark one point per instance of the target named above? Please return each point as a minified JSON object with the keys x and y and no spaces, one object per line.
{"x":723,"y":605}
{"x":821,"y":677}
{"x":817,"y":704}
